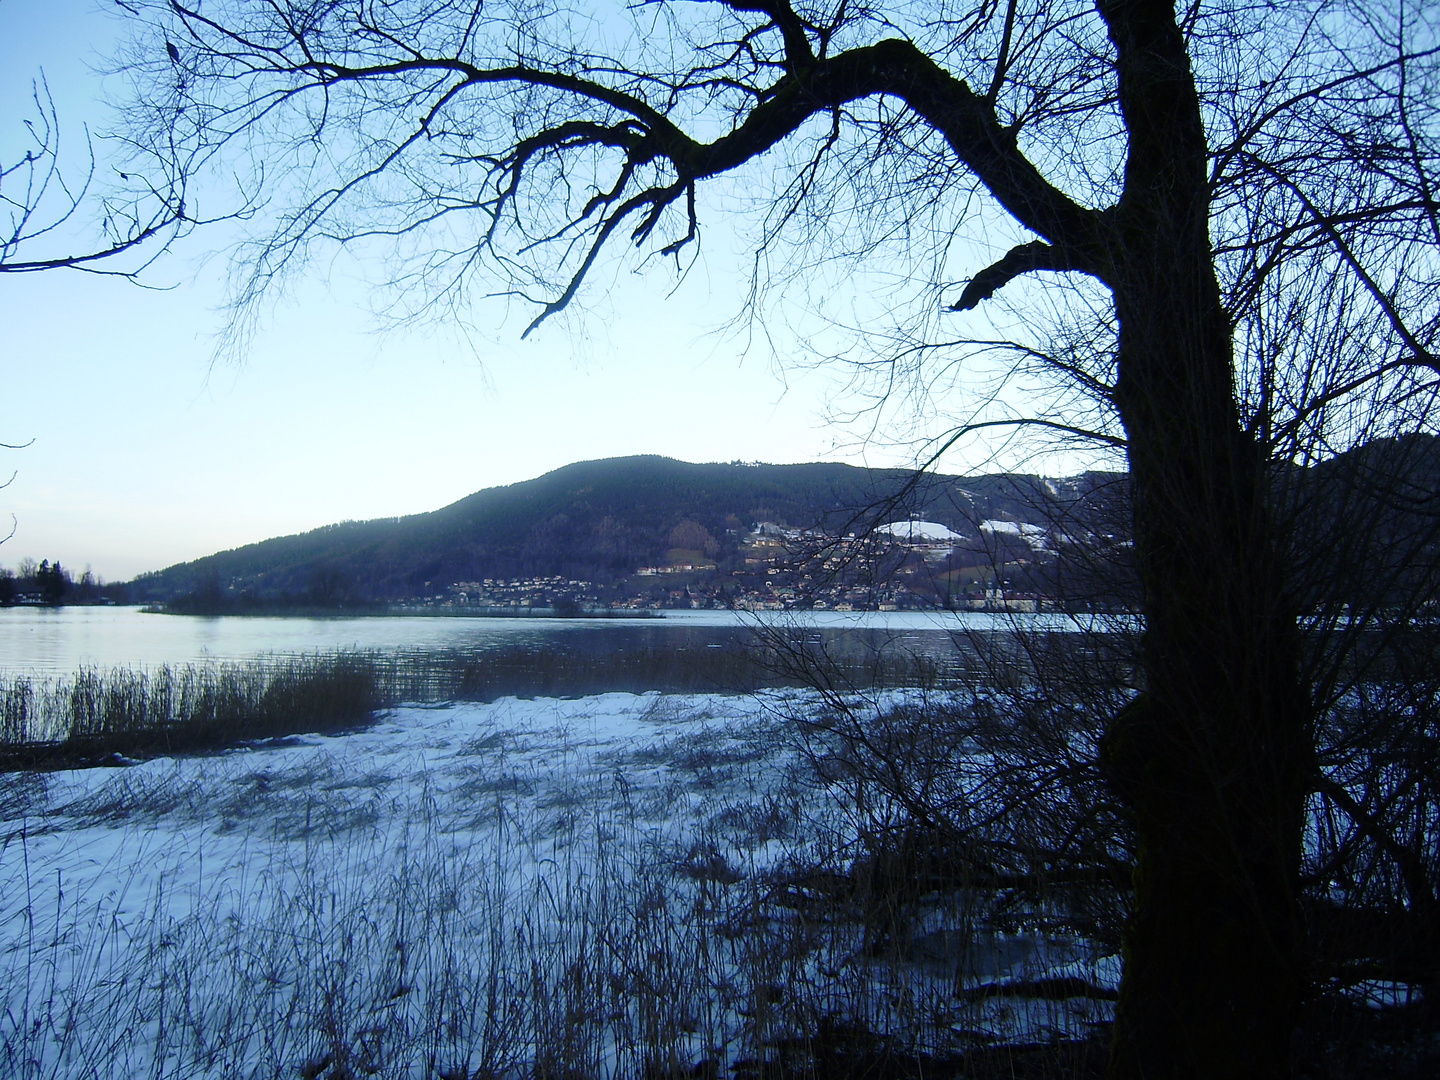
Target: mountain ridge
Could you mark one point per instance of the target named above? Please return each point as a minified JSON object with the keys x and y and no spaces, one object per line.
{"x":599,"y":521}
{"x":651,"y":530}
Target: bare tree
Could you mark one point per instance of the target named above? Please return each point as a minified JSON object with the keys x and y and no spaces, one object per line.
{"x":14,"y":523}
{"x":1191,"y":174}
{"x":138,"y":217}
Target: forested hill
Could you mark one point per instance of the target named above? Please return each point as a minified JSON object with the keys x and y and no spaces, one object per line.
{"x":597,"y":521}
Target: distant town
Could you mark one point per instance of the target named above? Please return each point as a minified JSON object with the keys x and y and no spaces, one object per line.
{"x":652,"y":534}
{"x":911,"y":565}
{"x":904,"y":566}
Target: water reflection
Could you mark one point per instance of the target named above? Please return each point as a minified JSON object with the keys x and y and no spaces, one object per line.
{"x":51,"y":642}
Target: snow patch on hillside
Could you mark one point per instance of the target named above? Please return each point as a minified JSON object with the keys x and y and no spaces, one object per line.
{"x":1034,"y":535}
{"x":919,"y":531}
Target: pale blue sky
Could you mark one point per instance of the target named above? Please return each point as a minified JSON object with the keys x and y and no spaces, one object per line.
{"x":145,"y":454}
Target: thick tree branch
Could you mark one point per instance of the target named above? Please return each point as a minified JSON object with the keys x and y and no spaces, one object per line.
{"x":1025,"y":259}
{"x":89,"y":261}
{"x":891,"y":67}
{"x":791,"y":26}
{"x":1166,"y":163}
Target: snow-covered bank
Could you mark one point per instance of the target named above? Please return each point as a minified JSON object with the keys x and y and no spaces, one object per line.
{"x":482,"y":887}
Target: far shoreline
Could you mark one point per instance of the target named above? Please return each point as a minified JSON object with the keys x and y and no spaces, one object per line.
{"x":411,"y":612}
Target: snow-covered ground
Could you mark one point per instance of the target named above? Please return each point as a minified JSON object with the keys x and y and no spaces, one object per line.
{"x":477,"y":889}
{"x":1034,"y":535}
{"x":919,"y":531}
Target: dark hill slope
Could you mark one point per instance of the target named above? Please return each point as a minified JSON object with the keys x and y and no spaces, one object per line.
{"x":1365,"y":526}
{"x":598,"y":521}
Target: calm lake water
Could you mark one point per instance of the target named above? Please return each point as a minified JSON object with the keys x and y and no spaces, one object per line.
{"x":40,"y":641}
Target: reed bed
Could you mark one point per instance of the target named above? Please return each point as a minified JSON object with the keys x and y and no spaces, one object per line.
{"x":140,"y":713}
{"x":95,"y":714}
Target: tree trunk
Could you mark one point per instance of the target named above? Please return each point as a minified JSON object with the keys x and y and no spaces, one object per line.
{"x":1211,"y":761}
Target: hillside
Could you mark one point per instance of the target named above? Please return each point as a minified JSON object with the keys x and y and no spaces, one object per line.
{"x":1364,"y":529}
{"x":600,"y":521}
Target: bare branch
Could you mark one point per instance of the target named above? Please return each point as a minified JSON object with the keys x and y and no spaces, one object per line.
{"x":1025,"y":259}
{"x":1384,"y":301}
{"x":142,"y":224}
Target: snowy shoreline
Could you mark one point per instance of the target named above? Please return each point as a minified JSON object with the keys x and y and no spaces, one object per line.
{"x":448,"y":888}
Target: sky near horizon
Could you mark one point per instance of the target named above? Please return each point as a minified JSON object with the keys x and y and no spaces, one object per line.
{"x":143,"y":452}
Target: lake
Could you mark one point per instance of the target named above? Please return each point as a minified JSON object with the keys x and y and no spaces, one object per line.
{"x":209,"y":914}
{"x":58,"y":641}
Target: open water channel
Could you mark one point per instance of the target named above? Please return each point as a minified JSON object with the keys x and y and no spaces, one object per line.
{"x":50,"y":642}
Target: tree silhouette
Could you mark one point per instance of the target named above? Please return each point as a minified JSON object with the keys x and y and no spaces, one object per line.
{"x":52,"y":582}
{"x":138,"y":218}
{"x":1239,"y":199}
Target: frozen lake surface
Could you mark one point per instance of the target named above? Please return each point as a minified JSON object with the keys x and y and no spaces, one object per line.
{"x":613,"y":883}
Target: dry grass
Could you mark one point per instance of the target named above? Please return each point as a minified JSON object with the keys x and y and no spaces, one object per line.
{"x":685,"y":906}
{"x":97,"y":717}
{"x":94,"y":716}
